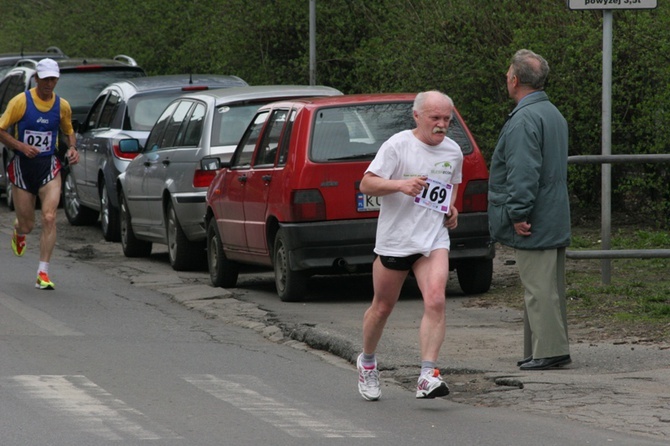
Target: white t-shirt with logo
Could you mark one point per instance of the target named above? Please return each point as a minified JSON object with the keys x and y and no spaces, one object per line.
{"x":405,"y":228}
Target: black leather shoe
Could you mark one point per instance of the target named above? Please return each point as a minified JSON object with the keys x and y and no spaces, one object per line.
{"x":525,"y":360}
{"x":546,"y":363}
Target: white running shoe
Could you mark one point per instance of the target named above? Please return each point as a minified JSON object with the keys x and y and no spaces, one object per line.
{"x":430,"y":385}
{"x":368,"y":381}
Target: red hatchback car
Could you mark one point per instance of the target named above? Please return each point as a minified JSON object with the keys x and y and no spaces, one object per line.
{"x":289,"y":198}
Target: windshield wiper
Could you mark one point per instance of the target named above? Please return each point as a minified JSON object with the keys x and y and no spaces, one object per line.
{"x":360,"y":156}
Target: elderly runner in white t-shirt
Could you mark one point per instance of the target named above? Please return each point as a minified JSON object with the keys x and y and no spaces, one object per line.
{"x":416,"y":173}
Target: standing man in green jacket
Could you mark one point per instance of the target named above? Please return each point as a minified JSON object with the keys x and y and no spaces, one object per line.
{"x":529,"y":209}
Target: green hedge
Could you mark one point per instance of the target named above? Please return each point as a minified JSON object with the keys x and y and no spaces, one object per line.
{"x":462,"y":47}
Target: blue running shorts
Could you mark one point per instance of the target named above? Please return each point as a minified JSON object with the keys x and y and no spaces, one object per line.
{"x":30,"y":174}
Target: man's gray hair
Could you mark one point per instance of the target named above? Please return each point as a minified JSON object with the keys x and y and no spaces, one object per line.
{"x":530,"y":68}
{"x":421,"y":99}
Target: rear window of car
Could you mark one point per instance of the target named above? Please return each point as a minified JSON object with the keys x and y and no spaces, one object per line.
{"x":229,"y":123}
{"x":144,"y":109}
{"x":11,"y":86}
{"x":4,"y":70}
{"x":80,"y":88}
{"x":356,"y":132}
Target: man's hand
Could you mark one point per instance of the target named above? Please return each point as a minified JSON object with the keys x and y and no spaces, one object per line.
{"x":413,"y":186}
{"x":72,"y":155}
{"x":451,"y":219}
{"x":522,"y":228}
{"x":28,"y":150}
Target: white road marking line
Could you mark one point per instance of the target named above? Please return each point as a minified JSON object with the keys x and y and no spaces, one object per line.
{"x":37,"y":317}
{"x":302,"y":423}
{"x":89,"y":407}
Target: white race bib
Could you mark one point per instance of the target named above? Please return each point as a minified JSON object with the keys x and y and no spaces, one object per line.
{"x":41,"y":140}
{"x":435,"y":196}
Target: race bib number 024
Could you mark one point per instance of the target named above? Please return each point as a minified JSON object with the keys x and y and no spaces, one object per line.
{"x":436,"y":196}
{"x":41,"y":140}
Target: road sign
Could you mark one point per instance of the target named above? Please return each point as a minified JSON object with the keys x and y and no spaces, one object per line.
{"x":612,"y":4}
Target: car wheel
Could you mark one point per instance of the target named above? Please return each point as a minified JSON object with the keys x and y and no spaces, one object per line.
{"x":132,"y":247}
{"x":475,"y":275}
{"x":9,"y":196}
{"x":76,"y":214}
{"x":184,"y":255}
{"x":291,"y":285}
{"x":109,"y":216}
{"x":222,"y":272}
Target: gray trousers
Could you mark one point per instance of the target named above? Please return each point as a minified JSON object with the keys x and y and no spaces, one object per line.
{"x":542,"y":273}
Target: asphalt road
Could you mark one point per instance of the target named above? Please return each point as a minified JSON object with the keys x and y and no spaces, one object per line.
{"x":610,"y":391}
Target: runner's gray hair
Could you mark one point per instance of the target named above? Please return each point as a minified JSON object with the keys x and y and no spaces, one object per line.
{"x":421,"y":99}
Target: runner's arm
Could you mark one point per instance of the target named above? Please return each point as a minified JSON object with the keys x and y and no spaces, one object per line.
{"x":377,"y":186}
{"x":14,"y":144}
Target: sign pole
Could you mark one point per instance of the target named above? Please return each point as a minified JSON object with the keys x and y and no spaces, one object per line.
{"x":312,"y":42}
{"x":606,"y":172}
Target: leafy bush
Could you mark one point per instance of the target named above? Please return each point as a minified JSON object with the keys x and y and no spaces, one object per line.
{"x":461,"y":47}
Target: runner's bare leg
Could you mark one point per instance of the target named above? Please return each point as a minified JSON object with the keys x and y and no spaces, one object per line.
{"x":431,"y":274}
{"x":49,"y":198}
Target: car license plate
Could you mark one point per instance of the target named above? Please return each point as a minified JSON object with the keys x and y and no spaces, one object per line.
{"x":366,"y":203}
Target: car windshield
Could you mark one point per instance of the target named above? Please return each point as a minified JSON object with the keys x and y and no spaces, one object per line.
{"x":356,"y":132}
{"x":230,"y":122}
{"x":80,"y":88}
{"x":144,"y":110}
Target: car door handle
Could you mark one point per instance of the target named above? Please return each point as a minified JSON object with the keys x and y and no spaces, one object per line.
{"x":166,"y":163}
{"x":267,"y":178}
{"x":242,"y":179}
{"x":96,"y":147}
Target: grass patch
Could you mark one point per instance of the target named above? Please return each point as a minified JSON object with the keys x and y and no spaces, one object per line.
{"x":636,"y":304}
{"x":637,"y":301}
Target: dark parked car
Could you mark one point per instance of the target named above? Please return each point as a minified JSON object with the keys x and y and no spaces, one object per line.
{"x":124,"y":109}
{"x":289,"y":197}
{"x":162,"y":191}
{"x":80,"y":82}
{"x":9,"y":60}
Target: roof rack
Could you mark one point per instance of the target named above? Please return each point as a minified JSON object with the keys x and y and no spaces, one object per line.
{"x":127,"y":59}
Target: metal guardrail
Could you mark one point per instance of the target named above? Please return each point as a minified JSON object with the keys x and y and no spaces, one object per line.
{"x":607,"y":254}
{"x":606,"y":159}
{"x":619,"y":254}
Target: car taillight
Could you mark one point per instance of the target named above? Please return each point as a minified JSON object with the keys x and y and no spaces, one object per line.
{"x":127,"y":156}
{"x":203,"y":178}
{"x":88,"y":67}
{"x":475,"y":196}
{"x":308,"y":205}
{"x":195,"y":88}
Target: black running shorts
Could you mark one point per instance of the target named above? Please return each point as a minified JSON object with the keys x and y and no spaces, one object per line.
{"x":400,"y":263}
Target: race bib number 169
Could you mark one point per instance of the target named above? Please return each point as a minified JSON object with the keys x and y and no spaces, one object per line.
{"x":436,"y":196}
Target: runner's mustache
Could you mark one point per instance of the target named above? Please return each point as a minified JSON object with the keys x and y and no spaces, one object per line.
{"x":439,"y":130}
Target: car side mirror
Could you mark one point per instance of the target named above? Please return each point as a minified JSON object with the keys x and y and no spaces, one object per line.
{"x":130,"y":145}
{"x":212,"y":163}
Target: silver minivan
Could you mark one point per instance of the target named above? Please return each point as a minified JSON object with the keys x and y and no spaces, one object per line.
{"x":162,"y":191}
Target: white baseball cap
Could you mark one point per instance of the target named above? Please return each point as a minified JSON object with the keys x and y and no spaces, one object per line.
{"x":47,"y":68}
